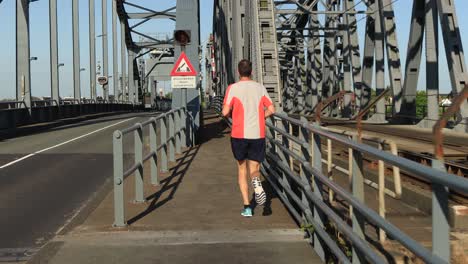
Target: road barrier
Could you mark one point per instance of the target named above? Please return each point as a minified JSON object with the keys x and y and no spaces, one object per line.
{"x":176,"y":132}
{"x":303,"y":191}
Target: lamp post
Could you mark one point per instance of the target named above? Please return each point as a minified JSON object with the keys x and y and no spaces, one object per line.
{"x":58,"y":80}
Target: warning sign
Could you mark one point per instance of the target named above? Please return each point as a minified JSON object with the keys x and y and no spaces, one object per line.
{"x":183,"y":67}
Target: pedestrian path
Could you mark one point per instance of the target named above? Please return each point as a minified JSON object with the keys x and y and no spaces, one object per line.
{"x":192,"y":217}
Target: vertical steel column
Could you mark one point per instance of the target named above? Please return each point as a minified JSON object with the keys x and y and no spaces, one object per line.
{"x":177,"y":134}
{"x":379,"y":116}
{"x":54,"y":77}
{"x":131,"y":76}
{"x":23,"y":63}
{"x":171,"y":137}
{"x":76,"y":51}
{"x":440,"y":216}
{"x":355,"y":52}
{"x":358,"y":193}
{"x":105,"y":49}
{"x":346,"y":111}
{"x":368,"y":61}
{"x":138,"y":135}
{"x":154,"y":150}
{"x":413,"y":59}
{"x":316,"y":157}
{"x":304,"y":136}
{"x":164,"y":148}
{"x":123,"y":61}
{"x":119,"y":215}
{"x":432,"y":62}
{"x":393,"y":53}
{"x":115,"y":63}
{"x":92,"y":49}
{"x":183,"y":124}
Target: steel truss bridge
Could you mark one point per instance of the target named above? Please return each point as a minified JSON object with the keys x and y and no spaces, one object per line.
{"x":308,"y":51}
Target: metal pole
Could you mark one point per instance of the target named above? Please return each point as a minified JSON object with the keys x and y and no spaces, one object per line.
{"x":105,"y":47}
{"x":76,"y":51}
{"x":138,"y":134}
{"x":131,"y":82}
{"x":177,"y":131}
{"x":171,"y":137}
{"x":358,"y":193}
{"x":119,"y":216}
{"x":54,"y":76}
{"x":23,"y":63}
{"x":123,"y":61}
{"x":92,"y":50}
{"x":154,"y":150}
{"x":163,"y":132}
{"x":440,"y":216}
{"x":115,"y":64}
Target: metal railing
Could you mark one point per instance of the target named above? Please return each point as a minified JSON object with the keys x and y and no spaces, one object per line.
{"x":175,"y":132}
{"x":311,"y":208}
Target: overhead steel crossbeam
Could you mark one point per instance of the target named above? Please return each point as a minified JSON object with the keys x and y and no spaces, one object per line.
{"x":145,"y":44}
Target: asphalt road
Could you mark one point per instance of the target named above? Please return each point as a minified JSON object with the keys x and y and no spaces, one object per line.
{"x":46,"y":178}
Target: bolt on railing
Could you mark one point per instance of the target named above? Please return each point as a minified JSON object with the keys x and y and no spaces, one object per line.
{"x":175,"y":125}
{"x":310,"y":208}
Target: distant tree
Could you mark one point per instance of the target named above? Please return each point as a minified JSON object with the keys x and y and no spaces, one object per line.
{"x":169,"y":95}
{"x":421,"y":103}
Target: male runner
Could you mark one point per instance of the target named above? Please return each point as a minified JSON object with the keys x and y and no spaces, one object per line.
{"x":249,"y":103}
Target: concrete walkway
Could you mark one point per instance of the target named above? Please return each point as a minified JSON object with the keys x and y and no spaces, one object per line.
{"x":192,"y":217}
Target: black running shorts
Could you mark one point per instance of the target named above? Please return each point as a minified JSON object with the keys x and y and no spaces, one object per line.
{"x":251,"y":149}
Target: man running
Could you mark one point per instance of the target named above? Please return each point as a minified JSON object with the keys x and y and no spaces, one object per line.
{"x":249,"y":103}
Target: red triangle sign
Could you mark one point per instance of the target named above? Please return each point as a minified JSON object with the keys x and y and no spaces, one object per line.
{"x":183,"y":67}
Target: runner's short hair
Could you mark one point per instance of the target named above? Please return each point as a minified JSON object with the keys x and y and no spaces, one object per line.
{"x":245,"y":68}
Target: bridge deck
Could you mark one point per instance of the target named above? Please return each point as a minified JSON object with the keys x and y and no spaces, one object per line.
{"x":192,"y":217}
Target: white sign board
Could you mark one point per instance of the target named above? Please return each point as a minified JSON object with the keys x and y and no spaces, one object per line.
{"x":179,"y":82}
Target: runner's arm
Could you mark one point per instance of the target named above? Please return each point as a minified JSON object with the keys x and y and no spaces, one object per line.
{"x":269,"y":111}
{"x":226,"y":110}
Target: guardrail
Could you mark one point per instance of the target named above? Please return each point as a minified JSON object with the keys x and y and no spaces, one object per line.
{"x":176,"y":132}
{"x":311,"y":208}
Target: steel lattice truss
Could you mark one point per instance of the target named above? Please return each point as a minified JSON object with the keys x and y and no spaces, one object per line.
{"x":317,"y":55}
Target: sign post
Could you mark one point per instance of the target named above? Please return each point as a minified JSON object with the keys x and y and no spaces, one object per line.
{"x":183,"y":76}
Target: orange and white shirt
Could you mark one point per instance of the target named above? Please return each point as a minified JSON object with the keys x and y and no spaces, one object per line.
{"x":248,"y":100}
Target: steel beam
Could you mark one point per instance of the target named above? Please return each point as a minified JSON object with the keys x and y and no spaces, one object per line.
{"x":432,"y":62}
{"x":54,"y":68}
{"x":123,"y":61}
{"x":131,"y":76}
{"x":105,"y":49}
{"x":76,"y":50}
{"x":23,"y":63}
{"x":115,"y":63}
{"x":92,"y":49}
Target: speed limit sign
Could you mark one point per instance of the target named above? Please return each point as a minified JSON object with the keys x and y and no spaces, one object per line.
{"x":102,"y":80}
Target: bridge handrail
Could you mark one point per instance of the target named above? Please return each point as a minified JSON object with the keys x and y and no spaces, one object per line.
{"x":176,"y":131}
{"x":279,"y":162}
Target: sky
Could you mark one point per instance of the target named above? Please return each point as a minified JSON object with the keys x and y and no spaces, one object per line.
{"x":39,"y":32}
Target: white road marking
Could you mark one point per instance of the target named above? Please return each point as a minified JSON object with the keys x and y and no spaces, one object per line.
{"x":63,"y":143}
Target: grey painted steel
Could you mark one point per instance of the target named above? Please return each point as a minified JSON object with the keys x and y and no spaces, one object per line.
{"x":413,"y":61}
{"x":368,"y":61}
{"x":137,"y":168}
{"x":187,"y":18}
{"x":380,"y":35}
{"x":361,"y":213}
{"x":432,"y":62}
{"x":177,"y":127}
{"x":115,"y":58}
{"x":119,"y":213}
{"x":455,"y":55}
{"x":163,"y":142}
{"x":76,"y":50}
{"x":54,"y":68}
{"x":154,"y":151}
{"x":123,"y":61}
{"x":358,"y":192}
{"x":171,"y":137}
{"x":92,"y":49}
{"x":23,"y":63}
{"x":131,"y":76}
{"x":138,"y":143}
{"x":440,"y":216}
{"x":105,"y":49}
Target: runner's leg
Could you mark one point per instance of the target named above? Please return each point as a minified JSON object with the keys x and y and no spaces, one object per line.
{"x":243,"y":182}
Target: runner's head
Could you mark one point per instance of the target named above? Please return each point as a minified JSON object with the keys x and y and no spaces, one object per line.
{"x":245,"y":68}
